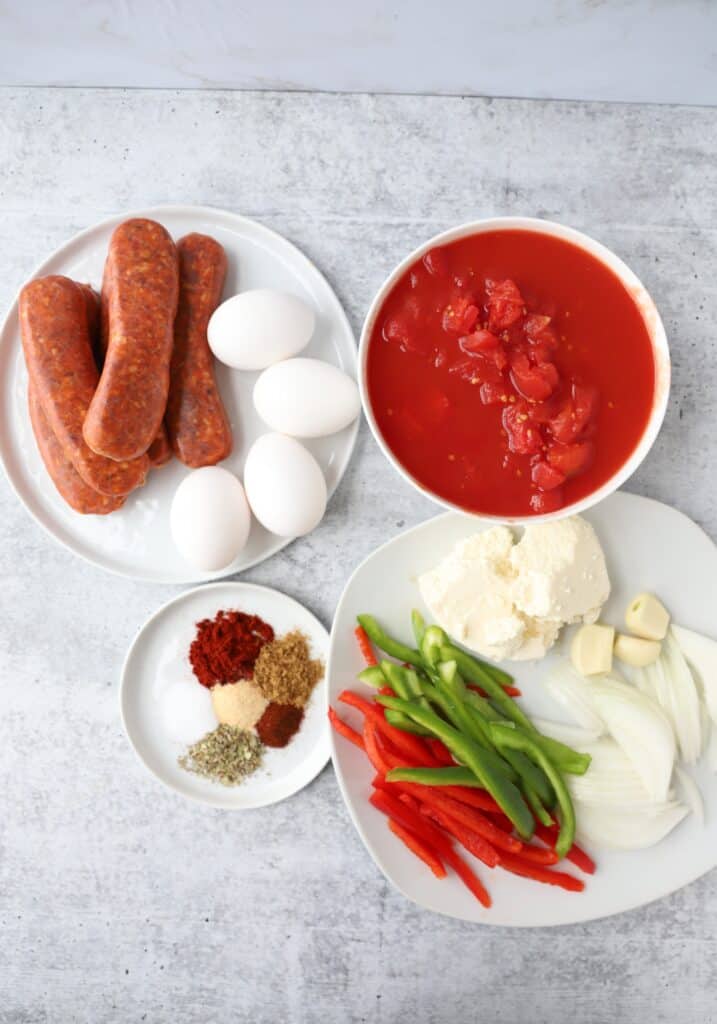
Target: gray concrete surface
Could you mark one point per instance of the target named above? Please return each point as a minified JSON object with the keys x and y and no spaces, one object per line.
{"x":119,"y":901}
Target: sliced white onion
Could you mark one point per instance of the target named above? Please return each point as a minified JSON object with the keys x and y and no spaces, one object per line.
{"x":641,"y":729}
{"x":691,"y":793}
{"x":611,"y":780}
{"x":712,"y":750}
{"x":701,"y":654}
{"x":628,"y":829}
{"x":573,"y":735}
{"x":574,"y":693}
{"x":679,"y":698}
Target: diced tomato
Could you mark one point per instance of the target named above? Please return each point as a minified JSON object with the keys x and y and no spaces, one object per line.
{"x":493,"y":393}
{"x":395,"y":330}
{"x":523,"y":436}
{"x":477,"y":369}
{"x":571,"y":459}
{"x":546,"y":477}
{"x":534,"y":382}
{"x":505,"y":304}
{"x":399,"y":330}
{"x":547,"y":501}
{"x":534,"y":325}
{"x":575,"y":414}
{"x":544,"y":412}
{"x":460,"y":315}
{"x":479,"y":341}
{"x":436,"y":262}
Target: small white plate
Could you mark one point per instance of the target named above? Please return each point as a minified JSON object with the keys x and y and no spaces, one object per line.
{"x":157,"y":662}
{"x":648,"y":546}
{"x":135,"y":541}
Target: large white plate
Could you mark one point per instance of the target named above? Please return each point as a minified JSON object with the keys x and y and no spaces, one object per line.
{"x":648,"y":546}
{"x":157,"y":662}
{"x":135,"y":541}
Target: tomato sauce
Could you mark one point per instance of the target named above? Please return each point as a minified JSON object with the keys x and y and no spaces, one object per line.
{"x":510,"y":372}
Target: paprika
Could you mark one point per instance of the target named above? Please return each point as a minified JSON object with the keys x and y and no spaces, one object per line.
{"x":278,"y":724}
{"x":225,"y":648}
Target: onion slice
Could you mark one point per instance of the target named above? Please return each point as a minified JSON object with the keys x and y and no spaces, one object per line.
{"x":574,"y":693}
{"x":573,"y":735}
{"x":691,"y":793}
{"x":641,"y":729}
{"x":628,"y":828}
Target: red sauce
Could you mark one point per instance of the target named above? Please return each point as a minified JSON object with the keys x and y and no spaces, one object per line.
{"x":510,"y":372}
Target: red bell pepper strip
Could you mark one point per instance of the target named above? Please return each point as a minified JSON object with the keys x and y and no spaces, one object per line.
{"x":538,"y":855}
{"x":345,"y":730}
{"x":372,"y":748}
{"x":577,"y":856}
{"x":365,"y":646}
{"x":517,"y":866}
{"x":470,"y":817}
{"x":474,"y":843}
{"x":419,"y":848}
{"x":441,"y":752}
{"x":421,"y":827}
{"x":405,"y":743}
{"x":510,"y":691}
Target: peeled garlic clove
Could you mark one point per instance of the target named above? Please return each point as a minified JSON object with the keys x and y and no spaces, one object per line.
{"x":634,"y":650}
{"x":647,"y":617}
{"x":591,"y":649}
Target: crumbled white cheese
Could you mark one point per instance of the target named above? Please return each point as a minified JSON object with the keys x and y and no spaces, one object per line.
{"x":507,"y":600}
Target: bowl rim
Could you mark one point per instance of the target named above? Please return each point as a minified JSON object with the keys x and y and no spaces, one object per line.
{"x":643,"y":300}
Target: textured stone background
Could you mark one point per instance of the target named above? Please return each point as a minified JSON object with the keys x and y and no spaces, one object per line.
{"x":119,"y":901}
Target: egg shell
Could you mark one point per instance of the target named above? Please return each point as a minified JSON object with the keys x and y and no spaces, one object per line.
{"x":306,"y":398}
{"x":257,"y":328}
{"x":284,"y":485}
{"x":210,"y":518}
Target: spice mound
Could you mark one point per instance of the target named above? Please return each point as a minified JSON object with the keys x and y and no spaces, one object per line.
{"x":285,"y":672}
{"x":238,"y":704}
{"x":226,"y":647}
{"x":227,"y":755}
{"x":279,"y":723}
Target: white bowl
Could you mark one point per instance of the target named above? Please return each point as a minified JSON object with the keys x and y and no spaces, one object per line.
{"x":644,"y":303}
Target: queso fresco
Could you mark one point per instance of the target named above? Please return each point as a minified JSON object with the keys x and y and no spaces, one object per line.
{"x":510,"y":372}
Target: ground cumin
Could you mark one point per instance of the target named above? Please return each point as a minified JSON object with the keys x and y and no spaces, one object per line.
{"x":285,"y":672}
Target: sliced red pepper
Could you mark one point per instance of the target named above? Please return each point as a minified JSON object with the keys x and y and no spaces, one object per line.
{"x":440,"y":751}
{"x":517,"y":866}
{"x":367,"y":652}
{"x":345,"y":730}
{"x":465,"y":815}
{"x":420,"y":849}
{"x":468,"y":877}
{"x":539,"y":855}
{"x":474,"y":843}
{"x":575,"y":854}
{"x":405,"y":743}
{"x":371,"y":746}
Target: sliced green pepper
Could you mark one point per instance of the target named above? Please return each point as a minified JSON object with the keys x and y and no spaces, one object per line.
{"x":386,"y":643}
{"x":449,"y":776}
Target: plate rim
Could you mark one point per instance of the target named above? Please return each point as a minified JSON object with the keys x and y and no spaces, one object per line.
{"x":179,"y":209}
{"x":325,"y":755}
{"x":485,"y":918}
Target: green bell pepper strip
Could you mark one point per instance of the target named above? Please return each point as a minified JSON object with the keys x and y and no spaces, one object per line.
{"x":419,"y":627}
{"x":386,"y":643}
{"x":505,"y":794}
{"x":565,"y":758}
{"x":395,"y":678}
{"x":405,"y":724}
{"x":534,"y":801}
{"x":373,"y":676}
{"x":456,"y":776}
{"x":507,"y":737}
{"x":433,"y":640}
{"x":473,"y":671}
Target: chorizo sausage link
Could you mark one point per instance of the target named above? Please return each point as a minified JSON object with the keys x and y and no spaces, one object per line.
{"x":197,"y":423}
{"x":56,"y":343}
{"x":141,"y":282}
{"x":70,"y":485}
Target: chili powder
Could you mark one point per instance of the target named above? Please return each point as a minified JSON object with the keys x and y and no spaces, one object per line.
{"x":278,"y":724}
{"x":225,"y":648}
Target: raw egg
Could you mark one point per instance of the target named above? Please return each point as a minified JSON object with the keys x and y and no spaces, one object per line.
{"x":306,"y":398}
{"x":257,"y":328}
{"x":284,"y":485}
{"x":210,"y":518}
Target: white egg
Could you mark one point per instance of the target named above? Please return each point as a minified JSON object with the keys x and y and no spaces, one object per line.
{"x":210,"y":518}
{"x":257,"y":328}
{"x":306,"y":398}
{"x":285,"y":486}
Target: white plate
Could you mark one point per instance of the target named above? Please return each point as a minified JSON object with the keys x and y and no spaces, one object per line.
{"x":135,"y":541}
{"x":648,"y":546}
{"x":157,"y":662}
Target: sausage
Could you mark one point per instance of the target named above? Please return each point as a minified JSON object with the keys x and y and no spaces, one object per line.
{"x":56,"y":343}
{"x":197,"y":423}
{"x":160,"y":451}
{"x":70,"y":485}
{"x":141,"y":281}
